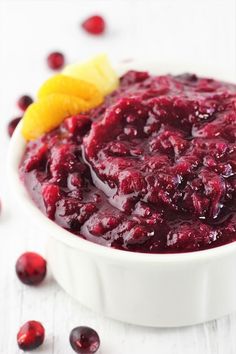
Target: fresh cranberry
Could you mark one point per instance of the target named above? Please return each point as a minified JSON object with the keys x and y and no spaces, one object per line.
{"x":94,"y":25}
{"x":31,"y":268}
{"x":56,"y":60}
{"x":12,"y":125}
{"x":84,"y":340}
{"x":30,"y":336}
{"x":24,"y":102}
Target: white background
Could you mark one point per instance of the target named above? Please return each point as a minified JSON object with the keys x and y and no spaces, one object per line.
{"x":196,"y":33}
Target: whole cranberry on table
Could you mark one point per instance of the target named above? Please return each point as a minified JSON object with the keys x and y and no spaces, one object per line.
{"x":84,"y":340}
{"x":56,"y":60}
{"x":31,"y":335}
{"x":24,"y":102}
{"x":31,"y":268}
{"x":94,"y":25}
{"x":12,"y":125}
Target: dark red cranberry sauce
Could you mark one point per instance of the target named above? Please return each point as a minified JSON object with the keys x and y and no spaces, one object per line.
{"x":151,"y":170}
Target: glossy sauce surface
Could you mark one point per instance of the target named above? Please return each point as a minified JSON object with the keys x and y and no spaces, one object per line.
{"x":151,"y":170}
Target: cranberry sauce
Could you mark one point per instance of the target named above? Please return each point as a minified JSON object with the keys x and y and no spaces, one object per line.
{"x":151,"y":170}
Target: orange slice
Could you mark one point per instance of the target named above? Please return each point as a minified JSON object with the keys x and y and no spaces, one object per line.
{"x":71,"y":86}
{"x":78,"y":89}
{"x":46,"y":114}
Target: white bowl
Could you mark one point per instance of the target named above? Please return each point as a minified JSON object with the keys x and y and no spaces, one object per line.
{"x":162,"y":290}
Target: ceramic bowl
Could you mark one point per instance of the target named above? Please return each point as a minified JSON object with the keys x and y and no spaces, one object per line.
{"x":161,"y":290}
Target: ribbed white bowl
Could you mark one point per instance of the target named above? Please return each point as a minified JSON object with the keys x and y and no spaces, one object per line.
{"x":145,"y":289}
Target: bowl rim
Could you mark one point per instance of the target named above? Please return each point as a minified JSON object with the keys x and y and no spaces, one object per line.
{"x":17,"y":189}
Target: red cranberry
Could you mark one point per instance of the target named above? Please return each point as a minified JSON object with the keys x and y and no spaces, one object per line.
{"x":12,"y":125}
{"x":24,"y":102}
{"x":55,"y":60}
{"x":31,"y":268}
{"x":30,"y":335}
{"x":94,"y":25}
{"x":84,"y":340}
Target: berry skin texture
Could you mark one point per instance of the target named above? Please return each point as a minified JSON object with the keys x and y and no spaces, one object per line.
{"x":55,"y":60}
{"x":24,"y":102}
{"x":12,"y":125}
{"x":31,"y":335}
{"x":31,"y":268}
{"x":94,"y":25}
{"x":84,"y":340}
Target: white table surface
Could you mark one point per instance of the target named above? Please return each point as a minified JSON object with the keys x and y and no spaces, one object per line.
{"x":194,"y":32}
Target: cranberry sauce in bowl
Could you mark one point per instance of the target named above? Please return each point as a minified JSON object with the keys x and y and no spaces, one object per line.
{"x":153,"y":169}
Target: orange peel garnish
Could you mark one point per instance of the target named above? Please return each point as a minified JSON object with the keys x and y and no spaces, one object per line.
{"x":70,"y":86}
{"x":49,"y":112}
{"x":59,"y":97}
